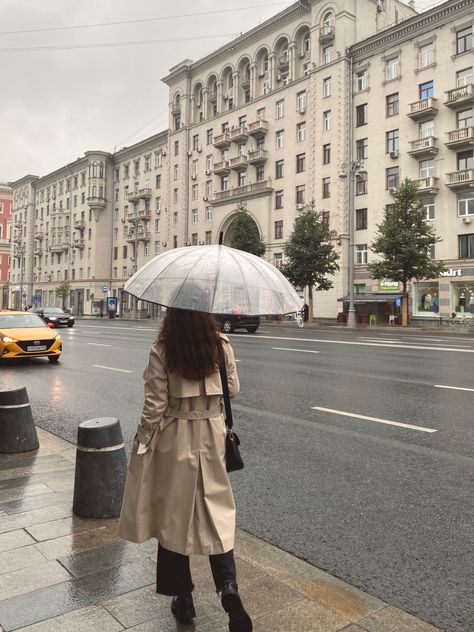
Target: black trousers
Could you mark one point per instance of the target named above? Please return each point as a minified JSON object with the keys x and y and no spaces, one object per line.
{"x":173,"y":575}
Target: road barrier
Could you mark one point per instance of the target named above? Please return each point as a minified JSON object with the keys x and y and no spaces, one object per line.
{"x":17,"y":428}
{"x":101,"y":468}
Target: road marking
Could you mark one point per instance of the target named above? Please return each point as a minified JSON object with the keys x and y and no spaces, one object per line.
{"x":301,"y":350}
{"x":118,"y":327}
{"x":455,"y":388}
{"x":371,"y":339}
{"x":111,"y":368}
{"x":377,"y":419}
{"x":97,"y":344}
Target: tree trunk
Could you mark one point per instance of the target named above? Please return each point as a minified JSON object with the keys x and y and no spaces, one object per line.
{"x":310,"y":303}
{"x":405,"y":306}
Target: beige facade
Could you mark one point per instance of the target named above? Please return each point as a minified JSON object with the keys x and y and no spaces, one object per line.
{"x":274,"y":119}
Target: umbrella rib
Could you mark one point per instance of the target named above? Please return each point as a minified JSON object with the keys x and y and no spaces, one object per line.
{"x":282,"y":308}
{"x":164,"y":270}
{"x":242,"y":276}
{"x":219,"y":253}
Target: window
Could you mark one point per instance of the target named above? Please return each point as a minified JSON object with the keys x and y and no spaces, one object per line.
{"x":464,"y":77}
{"x":466,"y":246}
{"x":463,"y":40}
{"x":300,"y":163}
{"x":241,"y":179}
{"x":300,"y":131}
{"x":361,"y":184}
{"x":209,"y":210}
{"x":327,"y":87}
{"x":392,"y":177}
{"x":327,"y":120}
{"x":429,"y":206}
{"x":194,"y":192}
{"x":361,"y":114}
{"x":209,"y":136}
{"x":328,"y":19}
{"x":175,"y":218}
{"x":280,"y":109}
{"x":466,"y":203}
{"x":306,"y":44}
{"x":279,"y":168}
{"x":326,"y":154}
{"x":392,"y":104}
{"x":157,"y":247}
{"x":427,"y":168}
{"x":362,"y":147}
{"x":392,"y":68}
{"x":426,"y":55}
{"x":208,"y":237}
{"x":260,"y":173}
{"x":194,"y":216}
{"x":300,"y":194}
{"x":301,"y":100}
{"x":195,"y":167}
{"x":279,"y":137}
{"x":325,"y":217}
{"x":362,"y":80}
{"x":157,"y":225}
{"x":243,"y":120}
{"x":209,"y":163}
{"x":225,"y":127}
{"x":158,"y":205}
{"x":361,"y":218}
{"x":209,"y":188}
{"x":464,"y":118}
{"x":426,"y":90}
{"x":278,"y":199}
{"x":279,"y":229}
{"x":426,"y":129}
{"x":361,"y":253}
{"x":328,"y":53}
{"x":326,"y":187}
{"x":465,"y":160}
{"x":196,"y":142}
{"x":175,"y":173}
{"x":158,"y":182}
{"x":224,"y":183}
{"x":392,"y":141}
{"x":175,"y":195}
{"x":176,"y":147}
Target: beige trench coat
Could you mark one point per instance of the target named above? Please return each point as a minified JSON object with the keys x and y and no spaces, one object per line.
{"x":179,"y":491}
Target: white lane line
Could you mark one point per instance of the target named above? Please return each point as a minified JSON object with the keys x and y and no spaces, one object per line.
{"x":455,"y":388}
{"x":377,"y":419}
{"x":372,"y":340}
{"x":97,"y":344}
{"x":301,"y":350}
{"x":105,"y":328}
{"x":111,"y":368}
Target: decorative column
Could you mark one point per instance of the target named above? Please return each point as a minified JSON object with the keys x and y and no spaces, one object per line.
{"x":235,"y":89}
{"x":253,"y":80}
{"x":272,"y":69}
{"x":220,"y":108}
{"x":292,"y":61}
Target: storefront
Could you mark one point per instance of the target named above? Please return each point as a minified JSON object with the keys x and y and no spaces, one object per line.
{"x":373,"y":308}
{"x":438,"y":298}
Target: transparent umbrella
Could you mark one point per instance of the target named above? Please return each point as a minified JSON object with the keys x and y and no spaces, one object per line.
{"x":215,"y":279}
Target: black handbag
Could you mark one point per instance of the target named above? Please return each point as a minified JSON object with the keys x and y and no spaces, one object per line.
{"x":233,"y":460}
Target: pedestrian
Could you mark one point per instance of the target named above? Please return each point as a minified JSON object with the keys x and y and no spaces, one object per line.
{"x":177,"y":488}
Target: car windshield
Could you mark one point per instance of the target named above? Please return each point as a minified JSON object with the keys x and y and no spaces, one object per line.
{"x":17,"y":321}
{"x":53,"y":310}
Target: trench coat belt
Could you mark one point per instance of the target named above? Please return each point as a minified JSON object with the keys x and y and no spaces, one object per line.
{"x":192,"y":414}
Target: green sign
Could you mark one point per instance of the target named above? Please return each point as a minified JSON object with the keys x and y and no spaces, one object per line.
{"x":389,"y":286}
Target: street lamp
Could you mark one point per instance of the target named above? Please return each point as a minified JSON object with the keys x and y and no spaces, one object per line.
{"x":356,"y":167}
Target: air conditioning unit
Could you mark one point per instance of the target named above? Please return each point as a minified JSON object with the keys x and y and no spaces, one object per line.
{"x":164,"y":244}
{"x":279,"y":77}
{"x":394,"y":154}
{"x":208,"y":173}
{"x":188,"y":243}
{"x":194,"y":176}
{"x":163,"y":153}
{"x":200,"y":242}
{"x":205,"y":198}
{"x":302,"y":109}
{"x":299,"y":207}
{"x":190,"y":153}
{"x":392,"y":190}
{"x":199,"y":149}
{"x":467,"y":220}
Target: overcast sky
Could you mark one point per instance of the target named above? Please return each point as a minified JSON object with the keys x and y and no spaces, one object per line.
{"x":57,"y":104}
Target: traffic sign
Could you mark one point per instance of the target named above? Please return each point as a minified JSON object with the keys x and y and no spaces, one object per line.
{"x":105,"y":289}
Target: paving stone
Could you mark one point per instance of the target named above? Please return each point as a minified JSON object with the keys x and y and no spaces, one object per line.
{"x":50,"y":441}
{"x":62,"y":527}
{"x":29,"y":579}
{"x":37,"y":502}
{"x":13,"y":473}
{"x":15,"y":493}
{"x":202,"y":576}
{"x":105,"y":557}
{"x":18,"y":481}
{"x":267,"y":595}
{"x":70,"y":544}
{"x":57,"y":466}
{"x":352,"y":628}
{"x":304,"y":615}
{"x":15,"y":540}
{"x":37,"y":516}
{"x":394,"y":620}
{"x":26,"y":460}
{"x":19,"y":558}
{"x":93,"y":618}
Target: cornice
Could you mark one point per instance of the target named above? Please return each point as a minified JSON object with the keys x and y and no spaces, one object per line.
{"x":125,"y":152}
{"x":24,"y":180}
{"x":433,"y":18}
{"x":63,"y":171}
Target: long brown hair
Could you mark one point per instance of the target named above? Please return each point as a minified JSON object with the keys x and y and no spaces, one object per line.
{"x":191,"y":343}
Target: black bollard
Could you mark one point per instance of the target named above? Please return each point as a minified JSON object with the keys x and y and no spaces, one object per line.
{"x":101,"y":468}
{"x":17,"y":428}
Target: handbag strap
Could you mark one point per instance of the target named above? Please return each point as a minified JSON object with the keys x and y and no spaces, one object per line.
{"x":225,"y":390}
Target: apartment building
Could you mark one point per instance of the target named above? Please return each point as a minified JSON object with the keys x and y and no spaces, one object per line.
{"x":5,"y":211}
{"x":274,"y":119}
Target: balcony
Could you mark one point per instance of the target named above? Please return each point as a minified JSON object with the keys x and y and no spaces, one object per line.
{"x":79,"y":243}
{"x":463,"y":179}
{"x":58,"y":247}
{"x":284,"y":63}
{"x":80,"y":224}
{"x":144,"y":213}
{"x":129,"y":235}
{"x":424,"y":147}
{"x":97,"y":202}
{"x":222,"y":168}
{"x":212,"y":97}
{"x":176,"y":109}
{"x":222,"y":141}
{"x":327,"y":34}
{"x":38,"y":251}
{"x":257,"y":129}
{"x":144,"y":234}
{"x":239,"y":163}
{"x":256,"y":189}
{"x":460,"y":97}
{"x":17,"y":251}
{"x":239,"y":134}
{"x":245,"y":82}
{"x":257,"y":157}
{"x":428,"y":185}
{"x":461,"y":138}
{"x":424,"y":109}
{"x":39,"y":235}
{"x":17,"y":237}
{"x":139,"y":194}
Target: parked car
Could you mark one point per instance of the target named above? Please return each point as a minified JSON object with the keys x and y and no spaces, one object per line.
{"x":230,"y":322}
{"x":26,"y":335}
{"x":55,"y":316}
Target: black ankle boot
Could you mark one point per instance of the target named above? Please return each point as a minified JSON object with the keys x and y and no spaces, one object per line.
{"x":182,"y":608}
{"x":239,"y":620}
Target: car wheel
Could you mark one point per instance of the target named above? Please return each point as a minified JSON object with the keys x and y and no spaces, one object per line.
{"x":227,"y":327}
{"x":252,"y":330}
{"x":70,"y":325}
{"x":53,"y":359}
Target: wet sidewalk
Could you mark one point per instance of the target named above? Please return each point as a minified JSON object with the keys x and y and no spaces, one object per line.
{"x":62,"y":573}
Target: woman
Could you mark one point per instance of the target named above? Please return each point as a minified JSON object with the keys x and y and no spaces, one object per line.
{"x":177,"y":488}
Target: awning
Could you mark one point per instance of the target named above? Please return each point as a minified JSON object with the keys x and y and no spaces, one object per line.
{"x":371,"y":298}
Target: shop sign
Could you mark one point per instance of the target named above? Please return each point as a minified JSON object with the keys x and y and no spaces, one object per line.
{"x":389,"y":286}
{"x":451,"y":272}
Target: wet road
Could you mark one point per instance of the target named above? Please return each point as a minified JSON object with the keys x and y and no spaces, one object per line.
{"x":358,"y":447}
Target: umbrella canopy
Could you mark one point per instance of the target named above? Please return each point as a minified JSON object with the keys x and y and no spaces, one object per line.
{"x":214,"y":279}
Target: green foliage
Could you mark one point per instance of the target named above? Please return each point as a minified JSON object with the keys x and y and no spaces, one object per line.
{"x":403,"y":240}
{"x":310,"y":255}
{"x":62,"y":291}
{"x":245,"y":235}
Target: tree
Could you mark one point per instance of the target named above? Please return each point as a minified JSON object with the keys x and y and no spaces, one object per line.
{"x":62,"y":291}
{"x":403,"y":241}
{"x":310,"y":255}
{"x":245,"y":235}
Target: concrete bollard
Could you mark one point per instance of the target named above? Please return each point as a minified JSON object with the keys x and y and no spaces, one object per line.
{"x":17,"y":428}
{"x":101,"y":468}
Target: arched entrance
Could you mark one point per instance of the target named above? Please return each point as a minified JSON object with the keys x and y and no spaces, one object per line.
{"x":229,"y":225}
